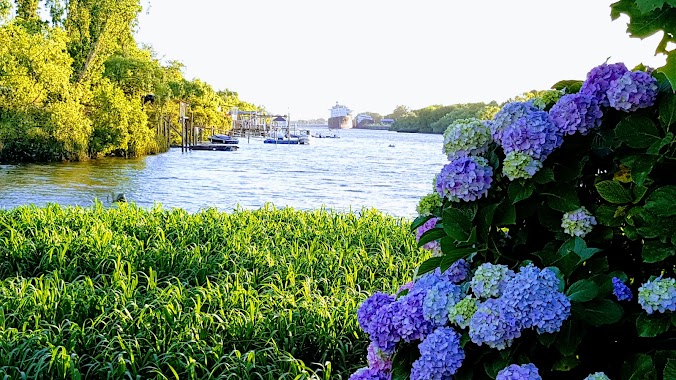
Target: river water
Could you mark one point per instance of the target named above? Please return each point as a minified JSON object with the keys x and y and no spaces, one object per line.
{"x":359,"y":169}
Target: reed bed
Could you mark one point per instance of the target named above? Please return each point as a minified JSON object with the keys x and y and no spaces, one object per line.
{"x":131,"y":293}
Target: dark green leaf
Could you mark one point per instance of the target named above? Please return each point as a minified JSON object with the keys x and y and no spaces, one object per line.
{"x":641,"y":367}
{"x":640,"y":165}
{"x":571,"y":170}
{"x":519,"y":191}
{"x":492,"y":367}
{"x":582,"y":291}
{"x":606,"y":215}
{"x":654,"y":251}
{"x":669,"y":70}
{"x":603,"y":312}
{"x":670,"y":369}
{"x":403,"y":361}
{"x":661,"y":201}
{"x":419,"y":221}
{"x":451,"y":255}
{"x":429,"y":265}
{"x":547,"y":339}
{"x":431,"y":235}
{"x":565,"y":364}
{"x":571,"y":86}
{"x":646,"y":6}
{"x":570,"y":337}
{"x":613,"y":192}
{"x":587,"y":253}
{"x":657,"y":146}
{"x":637,"y":131}
{"x":456,"y":224}
{"x":668,"y":110}
{"x":543,"y":176}
{"x":652,"y":326}
{"x":485,"y":218}
{"x":563,"y":198}
{"x":505,"y":214}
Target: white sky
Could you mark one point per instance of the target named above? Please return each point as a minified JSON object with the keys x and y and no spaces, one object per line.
{"x":372,"y":55}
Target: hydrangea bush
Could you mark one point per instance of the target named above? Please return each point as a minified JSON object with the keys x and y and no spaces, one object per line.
{"x":553,"y":231}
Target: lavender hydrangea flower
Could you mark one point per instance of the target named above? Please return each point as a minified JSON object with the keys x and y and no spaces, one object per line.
{"x":533,"y":297}
{"x":378,"y":359}
{"x":370,"y":374}
{"x":465,"y":179}
{"x":438,"y":300}
{"x":599,"y":80}
{"x":466,"y":137}
{"x":621,"y":291}
{"x":461,"y":313}
{"x":384,"y":331}
{"x":407,"y":286}
{"x":632,"y":91}
{"x":433,"y":246}
{"x":507,"y":115}
{"x":489,"y":280}
{"x":597,"y":376}
{"x":576,"y":113}
{"x":533,"y":134}
{"x":658,"y":295}
{"x":440,"y":356}
{"x":458,"y":271}
{"x":520,"y":165}
{"x":578,"y":223}
{"x":519,"y":372}
{"x":494,"y":325}
{"x":368,"y":309}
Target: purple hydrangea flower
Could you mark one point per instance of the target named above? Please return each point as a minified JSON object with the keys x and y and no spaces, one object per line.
{"x":442,"y":296}
{"x":378,"y":359}
{"x":458,"y":271}
{"x":369,"y":308}
{"x":433,"y":246}
{"x":632,"y":91}
{"x":407,"y":286}
{"x":576,"y":113}
{"x":533,"y":297}
{"x":519,"y":372}
{"x":507,"y":115}
{"x":409,"y":321}
{"x":384,"y":332}
{"x":533,"y":134}
{"x":599,"y":80}
{"x":621,"y":291}
{"x":658,"y":295}
{"x":489,"y":280}
{"x":578,"y":222}
{"x":440,"y":356}
{"x":494,"y":325}
{"x":465,"y":179}
{"x":370,"y":374}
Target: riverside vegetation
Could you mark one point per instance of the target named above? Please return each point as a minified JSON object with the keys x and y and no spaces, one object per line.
{"x":133,"y":293}
{"x":76,"y":85}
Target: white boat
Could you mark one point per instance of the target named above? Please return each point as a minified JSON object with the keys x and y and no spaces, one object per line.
{"x":284,"y":136}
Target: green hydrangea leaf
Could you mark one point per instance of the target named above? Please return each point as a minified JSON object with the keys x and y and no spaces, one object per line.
{"x":637,"y":131}
{"x":640,"y":367}
{"x":614,"y":192}
{"x":646,"y":6}
{"x":654,"y":251}
{"x":419,"y":221}
{"x":519,"y":191}
{"x":668,"y":110}
{"x":661,"y":201}
{"x":429,"y":265}
{"x":456,"y":224}
{"x":543,"y":176}
{"x":582,"y":291}
{"x":652,"y":326}
{"x":563,"y":198}
{"x":598,"y":313}
{"x":431,"y":235}
{"x":669,"y":70}
{"x":670,"y":369}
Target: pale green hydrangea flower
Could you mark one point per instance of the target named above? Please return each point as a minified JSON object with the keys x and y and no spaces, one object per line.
{"x":520,"y":165}
{"x":465,"y":137}
{"x":461,"y":313}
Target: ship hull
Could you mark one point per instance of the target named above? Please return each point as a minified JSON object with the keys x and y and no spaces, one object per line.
{"x":340,"y":122}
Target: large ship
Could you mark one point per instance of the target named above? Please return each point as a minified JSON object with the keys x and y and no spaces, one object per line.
{"x":341,"y":117}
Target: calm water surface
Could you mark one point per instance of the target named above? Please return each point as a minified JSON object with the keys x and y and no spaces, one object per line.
{"x":357,"y":170}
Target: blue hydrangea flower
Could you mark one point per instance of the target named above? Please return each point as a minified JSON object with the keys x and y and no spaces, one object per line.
{"x":458,"y":271}
{"x":368,"y":309}
{"x":576,"y":113}
{"x":621,"y":291}
{"x":632,"y":91}
{"x":461,"y":313}
{"x":433,"y":246}
{"x":519,"y":372}
{"x":409,"y":321}
{"x":494,"y":325}
{"x":533,"y":298}
{"x":384,"y":332}
{"x":465,"y":179}
{"x":599,"y":80}
{"x":466,"y":137}
{"x":597,"y":376}
{"x":370,"y":374}
{"x":438,"y":300}
{"x":578,"y":223}
{"x":533,"y":134}
{"x":520,"y":165}
{"x":378,"y":359}
{"x":440,"y":356}
{"x":658,"y":295}
{"x":489,"y":280}
{"x":507,"y":115}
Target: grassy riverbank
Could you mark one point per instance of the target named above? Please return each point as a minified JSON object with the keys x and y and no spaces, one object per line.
{"x":127,"y":292}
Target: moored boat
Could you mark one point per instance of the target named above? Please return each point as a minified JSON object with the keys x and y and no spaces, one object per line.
{"x":341,"y":117}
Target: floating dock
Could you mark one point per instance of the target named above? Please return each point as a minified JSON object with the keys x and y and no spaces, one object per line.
{"x":215,"y":147}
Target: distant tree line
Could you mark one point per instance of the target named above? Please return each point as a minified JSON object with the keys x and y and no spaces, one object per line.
{"x":77,"y":85}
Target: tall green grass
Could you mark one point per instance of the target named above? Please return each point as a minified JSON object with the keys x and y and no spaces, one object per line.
{"x":129,"y":293}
